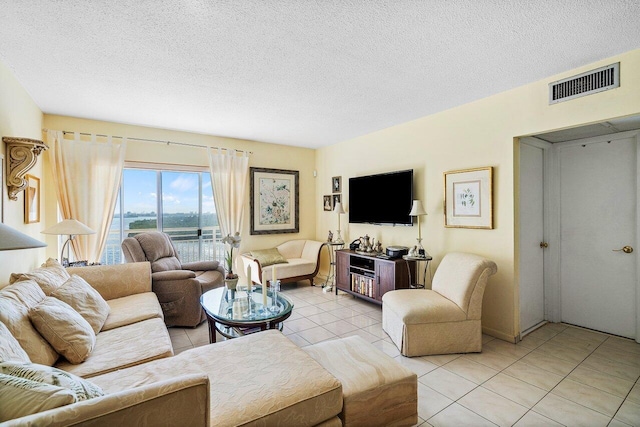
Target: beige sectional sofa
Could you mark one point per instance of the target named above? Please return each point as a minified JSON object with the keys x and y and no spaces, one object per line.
{"x":259,"y":379}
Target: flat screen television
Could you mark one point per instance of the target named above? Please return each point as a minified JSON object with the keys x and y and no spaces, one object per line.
{"x":383,"y":199}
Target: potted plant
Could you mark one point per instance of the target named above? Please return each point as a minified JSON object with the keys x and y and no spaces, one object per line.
{"x":231,"y":279}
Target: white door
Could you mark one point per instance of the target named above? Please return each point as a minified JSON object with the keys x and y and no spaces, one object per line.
{"x":531,"y":235}
{"x":598,"y":202}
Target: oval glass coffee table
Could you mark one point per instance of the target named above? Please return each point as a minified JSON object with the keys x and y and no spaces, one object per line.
{"x":229,"y":312}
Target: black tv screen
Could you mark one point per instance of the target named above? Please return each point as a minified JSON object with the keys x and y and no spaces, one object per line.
{"x":381,"y":199}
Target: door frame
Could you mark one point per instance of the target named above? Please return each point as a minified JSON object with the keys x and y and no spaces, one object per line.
{"x":551,"y":219}
{"x":547,"y":162}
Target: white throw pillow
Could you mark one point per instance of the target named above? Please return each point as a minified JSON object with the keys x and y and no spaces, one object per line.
{"x":10,"y":347}
{"x":15,"y":302}
{"x":84,"y":299}
{"x":20,"y":397}
{"x":64,"y":328}
{"x":82,"y":388}
{"x":49,"y":276}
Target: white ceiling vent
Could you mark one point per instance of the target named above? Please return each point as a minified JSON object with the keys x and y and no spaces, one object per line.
{"x":593,"y":81}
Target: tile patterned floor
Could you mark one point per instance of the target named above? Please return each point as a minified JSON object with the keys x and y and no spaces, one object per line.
{"x":557,"y":375}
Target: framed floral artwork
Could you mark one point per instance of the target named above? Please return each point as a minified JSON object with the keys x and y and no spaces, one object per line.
{"x":468,"y":198}
{"x":274,"y":201}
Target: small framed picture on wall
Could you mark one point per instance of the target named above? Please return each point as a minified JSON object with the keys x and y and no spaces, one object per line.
{"x":336,"y":199}
{"x":336,"y":184}
{"x":468,"y":198}
{"x":32,"y":200}
{"x":327,"y":201}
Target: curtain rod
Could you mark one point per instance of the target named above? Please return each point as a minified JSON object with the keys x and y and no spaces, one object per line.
{"x":157,"y":141}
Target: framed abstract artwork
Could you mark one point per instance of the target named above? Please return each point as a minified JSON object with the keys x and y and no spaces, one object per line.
{"x":274,"y":201}
{"x":468,"y":198}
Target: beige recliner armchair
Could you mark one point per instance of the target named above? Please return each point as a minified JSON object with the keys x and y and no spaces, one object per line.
{"x":445,"y":319}
{"x":177,"y":285}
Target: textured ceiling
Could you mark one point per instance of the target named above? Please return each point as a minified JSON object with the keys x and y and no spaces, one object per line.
{"x":296,"y":72}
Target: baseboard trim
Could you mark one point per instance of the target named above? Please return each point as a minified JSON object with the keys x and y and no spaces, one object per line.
{"x":500,"y":335}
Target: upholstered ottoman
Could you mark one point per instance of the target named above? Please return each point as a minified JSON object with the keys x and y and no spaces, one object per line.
{"x":377,"y":390}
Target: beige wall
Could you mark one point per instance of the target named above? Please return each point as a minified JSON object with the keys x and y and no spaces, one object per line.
{"x":264,"y":155}
{"x":473,"y":135}
{"x":19,"y":117}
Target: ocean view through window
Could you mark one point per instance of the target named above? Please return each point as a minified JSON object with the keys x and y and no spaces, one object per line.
{"x":179,"y":203}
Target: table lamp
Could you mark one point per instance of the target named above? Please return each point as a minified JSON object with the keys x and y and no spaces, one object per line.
{"x":71,"y":227}
{"x":11,"y":239}
{"x":339,"y":210}
{"x":417,"y":210}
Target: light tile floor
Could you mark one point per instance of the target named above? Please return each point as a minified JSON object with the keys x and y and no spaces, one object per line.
{"x":557,"y":375}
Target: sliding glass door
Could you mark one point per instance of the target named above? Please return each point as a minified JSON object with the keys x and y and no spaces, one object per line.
{"x":179,"y":203}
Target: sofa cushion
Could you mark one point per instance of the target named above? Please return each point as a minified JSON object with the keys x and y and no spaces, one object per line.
{"x":50,"y":276}
{"x":299,"y":391}
{"x":123,"y":347}
{"x":10,"y":347}
{"x":20,"y":397}
{"x":85,"y":300}
{"x":82,"y":389}
{"x":295,"y":267}
{"x":422,"y":306}
{"x":132,"y":309}
{"x":268,"y":257}
{"x":64,"y":328}
{"x":117,"y":280}
{"x":15,"y":302}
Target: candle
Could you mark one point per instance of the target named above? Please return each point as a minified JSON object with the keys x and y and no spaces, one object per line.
{"x":273,"y":275}
{"x":264,"y":294}
{"x":248,"y":278}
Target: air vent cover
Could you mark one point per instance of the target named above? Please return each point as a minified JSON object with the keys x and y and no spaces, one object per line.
{"x":593,"y":81}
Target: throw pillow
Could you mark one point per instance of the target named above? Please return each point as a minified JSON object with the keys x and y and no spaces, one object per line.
{"x":82,"y":388}
{"x":64,"y":329}
{"x":15,"y":302}
{"x":49,"y":276}
{"x":268,"y":257}
{"x":20,"y":397}
{"x":10,"y":348}
{"x":84,"y":299}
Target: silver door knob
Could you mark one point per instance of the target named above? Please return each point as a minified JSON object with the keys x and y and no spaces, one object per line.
{"x":626,"y":250}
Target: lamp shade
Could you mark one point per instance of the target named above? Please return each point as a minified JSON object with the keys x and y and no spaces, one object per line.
{"x":69,"y":226}
{"x":11,"y":239}
{"x":417,"y":209}
{"x":338,"y":208}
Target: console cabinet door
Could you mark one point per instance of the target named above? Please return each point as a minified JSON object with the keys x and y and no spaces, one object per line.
{"x":385,"y":278}
{"x":343,"y":280}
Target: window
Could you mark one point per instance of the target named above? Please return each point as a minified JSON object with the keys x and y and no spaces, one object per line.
{"x":177,"y":202}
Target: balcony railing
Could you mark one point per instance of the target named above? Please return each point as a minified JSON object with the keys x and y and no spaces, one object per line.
{"x":190,"y":247}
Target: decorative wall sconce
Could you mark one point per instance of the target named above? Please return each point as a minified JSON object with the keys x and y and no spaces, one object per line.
{"x":22,"y":155}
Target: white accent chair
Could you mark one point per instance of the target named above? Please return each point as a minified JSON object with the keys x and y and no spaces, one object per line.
{"x":445,"y":319}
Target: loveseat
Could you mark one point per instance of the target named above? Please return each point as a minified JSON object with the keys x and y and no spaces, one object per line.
{"x":259,"y":379}
{"x":294,"y":260}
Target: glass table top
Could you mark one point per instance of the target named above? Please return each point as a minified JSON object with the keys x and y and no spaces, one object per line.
{"x":232,"y":306}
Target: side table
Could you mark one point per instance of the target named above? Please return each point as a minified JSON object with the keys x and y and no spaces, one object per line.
{"x":331,"y":276}
{"x":426,"y":259}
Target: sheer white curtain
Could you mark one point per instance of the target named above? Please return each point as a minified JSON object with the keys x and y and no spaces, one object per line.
{"x":229,"y":176}
{"x":87,"y":177}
